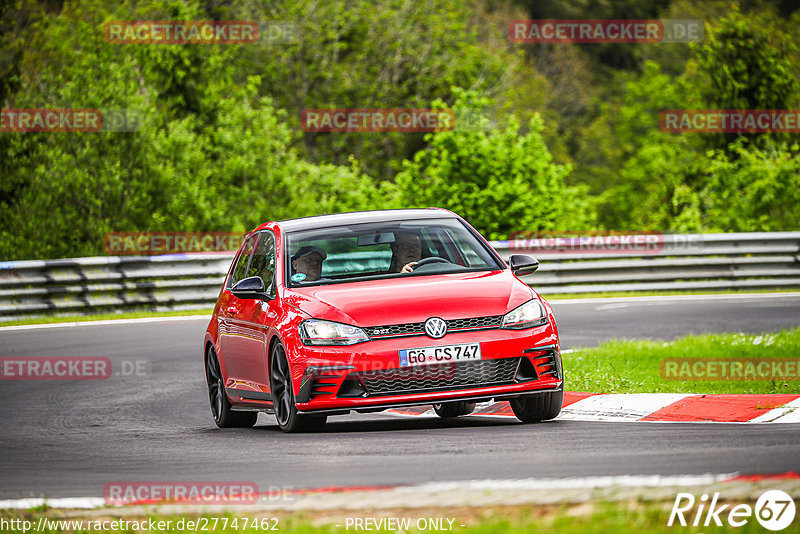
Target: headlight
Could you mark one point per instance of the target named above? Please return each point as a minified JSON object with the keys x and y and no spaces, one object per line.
{"x":318,"y":332}
{"x":526,"y":316}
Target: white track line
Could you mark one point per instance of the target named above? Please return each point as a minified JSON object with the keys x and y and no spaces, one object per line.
{"x":608,"y":300}
{"x":650,"y":481}
{"x":68,"y":502}
{"x":629,"y":407}
{"x":619,"y":407}
{"x":431,"y":488}
{"x":666,"y":298}
{"x":108,"y":322}
{"x":788,"y":413}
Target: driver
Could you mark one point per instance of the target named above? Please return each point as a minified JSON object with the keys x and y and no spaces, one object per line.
{"x":406,"y":252}
{"x":308,"y":260}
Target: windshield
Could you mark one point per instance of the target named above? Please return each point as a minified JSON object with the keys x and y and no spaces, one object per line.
{"x":384,"y":250}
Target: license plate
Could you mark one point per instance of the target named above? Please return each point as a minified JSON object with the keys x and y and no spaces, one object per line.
{"x":440,"y":354}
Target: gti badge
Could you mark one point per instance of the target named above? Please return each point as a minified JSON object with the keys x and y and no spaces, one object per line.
{"x":435,"y":327}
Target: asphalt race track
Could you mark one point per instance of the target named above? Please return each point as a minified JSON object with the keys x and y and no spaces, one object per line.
{"x":584,"y":323}
{"x":70,"y":438}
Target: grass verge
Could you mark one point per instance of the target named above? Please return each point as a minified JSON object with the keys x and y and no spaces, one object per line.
{"x":633,"y":517}
{"x":621,"y":366}
{"x":104,"y":317}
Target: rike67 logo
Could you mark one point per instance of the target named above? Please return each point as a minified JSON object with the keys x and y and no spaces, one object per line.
{"x":774,"y":510}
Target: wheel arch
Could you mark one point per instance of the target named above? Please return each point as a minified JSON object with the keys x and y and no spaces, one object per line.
{"x":273,"y":338}
{"x":209,"y":344}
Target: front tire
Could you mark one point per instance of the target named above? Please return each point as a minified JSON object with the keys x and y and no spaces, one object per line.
{"x":447,"y":410}
{"x":221,"y":410}
{"x":538,"y":407}
{"x":280,"y":379}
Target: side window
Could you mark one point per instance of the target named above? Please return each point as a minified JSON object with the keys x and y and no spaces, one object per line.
{"x":263,"y":263}
{"x":241,"y":264}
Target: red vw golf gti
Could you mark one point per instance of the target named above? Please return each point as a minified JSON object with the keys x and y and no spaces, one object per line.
{"x":373,"y":310}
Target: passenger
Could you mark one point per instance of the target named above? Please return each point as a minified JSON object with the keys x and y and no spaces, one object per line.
{"x":308,"y":261}
{"x":406,"y":252}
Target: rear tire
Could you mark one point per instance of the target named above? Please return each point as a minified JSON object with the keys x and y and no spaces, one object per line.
{"x":447,"y":410}
{"x":538,"y":407}
{"x":221,"y":410}
{"x":280,"y":379}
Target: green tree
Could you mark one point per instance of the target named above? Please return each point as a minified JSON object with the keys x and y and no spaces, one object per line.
{"x":500,"y":180}
{"x":746,"y":63}
{"x":627,"y":160}
{"x":388,"y":54}
{"x":752,"y":189}
{"x":227,"y":165}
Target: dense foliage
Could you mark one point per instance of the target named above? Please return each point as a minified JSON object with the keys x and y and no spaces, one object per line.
{"x":571,"y":139}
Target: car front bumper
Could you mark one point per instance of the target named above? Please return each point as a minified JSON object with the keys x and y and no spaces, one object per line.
{"x":368,"y":375}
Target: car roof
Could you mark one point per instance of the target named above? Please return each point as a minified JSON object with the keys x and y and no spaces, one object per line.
{"x":360,"y":217}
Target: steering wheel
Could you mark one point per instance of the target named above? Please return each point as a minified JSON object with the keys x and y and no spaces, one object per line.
{"x":428,"y":261}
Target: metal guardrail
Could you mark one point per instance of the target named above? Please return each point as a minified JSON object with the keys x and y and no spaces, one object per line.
{"x":758,"y":260}
{"x":193,"y":281}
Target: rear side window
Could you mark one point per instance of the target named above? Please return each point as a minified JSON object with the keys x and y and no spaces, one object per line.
{"x":263,"y":262}
{"x":240,"y":269}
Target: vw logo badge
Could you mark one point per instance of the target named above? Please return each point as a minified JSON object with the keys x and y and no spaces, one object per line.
{"x":435,"y":327}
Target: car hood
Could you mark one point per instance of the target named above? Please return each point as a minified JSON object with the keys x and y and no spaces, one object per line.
{"x":413,"y":299}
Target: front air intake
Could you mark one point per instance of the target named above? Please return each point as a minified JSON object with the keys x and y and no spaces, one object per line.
{"x":525,"y":372}
{"x":320,"y":381}
{"x":546,"y":361}
{"x":351,"y":387}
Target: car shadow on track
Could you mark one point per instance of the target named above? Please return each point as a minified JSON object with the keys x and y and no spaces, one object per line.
{"x":363,"y":424}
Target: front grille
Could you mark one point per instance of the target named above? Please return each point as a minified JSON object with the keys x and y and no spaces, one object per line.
{"x":418,"y":329}
{"x":493,"y":321}
{"x":438,"y":376}
{"x":408,"y":329}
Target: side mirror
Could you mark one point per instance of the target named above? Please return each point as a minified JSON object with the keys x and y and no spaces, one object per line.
{"x":250,"y":288}
{"x":521,"y":264}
